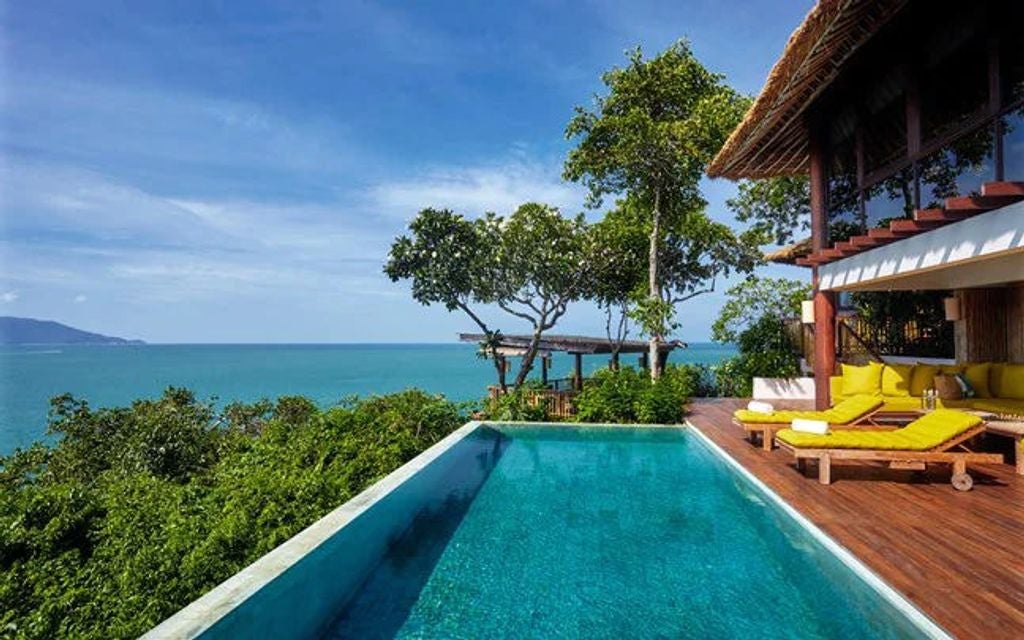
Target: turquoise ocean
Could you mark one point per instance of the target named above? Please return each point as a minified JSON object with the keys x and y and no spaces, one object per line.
{"x":116,"y":375}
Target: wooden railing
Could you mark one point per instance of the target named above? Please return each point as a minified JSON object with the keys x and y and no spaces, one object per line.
{"x":859,"y":340}
{"x":557,"y":401}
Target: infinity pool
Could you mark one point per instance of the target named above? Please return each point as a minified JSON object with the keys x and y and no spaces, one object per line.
{"x":564,"y":532}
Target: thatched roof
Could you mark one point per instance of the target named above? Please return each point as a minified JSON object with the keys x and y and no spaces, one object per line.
{"x":512,"y":345}
{"x":790,"y":253}
{"x":772,"y":138}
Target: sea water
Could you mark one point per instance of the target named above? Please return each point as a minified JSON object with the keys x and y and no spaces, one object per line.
{"x":116,"y":375}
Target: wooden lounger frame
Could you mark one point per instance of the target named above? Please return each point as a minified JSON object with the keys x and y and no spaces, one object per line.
{"x":895,"y":459}
{"x":767,"y":430}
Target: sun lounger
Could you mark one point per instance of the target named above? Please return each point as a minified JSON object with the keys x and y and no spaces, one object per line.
{"x":938,"y":437}
{"x":848,"y":412}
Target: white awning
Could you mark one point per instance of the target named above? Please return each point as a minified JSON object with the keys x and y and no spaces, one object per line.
{"x":982,"y":251}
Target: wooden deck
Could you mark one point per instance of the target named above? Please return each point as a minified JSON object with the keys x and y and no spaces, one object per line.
{"x":958,"y":556}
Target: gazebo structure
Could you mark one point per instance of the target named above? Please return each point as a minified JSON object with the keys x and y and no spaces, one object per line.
{"x":513,"y":346}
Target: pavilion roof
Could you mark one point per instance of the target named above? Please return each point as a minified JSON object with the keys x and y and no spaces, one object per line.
{"x":772,"y":138}
{"x":570,"y":344}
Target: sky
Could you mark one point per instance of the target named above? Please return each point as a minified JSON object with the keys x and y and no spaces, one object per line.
{"x":236,"y":171}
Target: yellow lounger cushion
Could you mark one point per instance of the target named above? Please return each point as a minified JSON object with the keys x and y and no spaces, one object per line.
{"x":865,"y":380}
{"x":922,"y":434}
{"x":845,"y":412}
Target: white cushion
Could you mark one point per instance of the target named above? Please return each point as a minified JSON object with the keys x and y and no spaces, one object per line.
{"x":760,"y":407}
{"x":819,"y":427}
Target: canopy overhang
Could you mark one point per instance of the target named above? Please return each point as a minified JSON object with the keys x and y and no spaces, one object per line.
{"x":983,"y":251}
{"x":516,"y":345}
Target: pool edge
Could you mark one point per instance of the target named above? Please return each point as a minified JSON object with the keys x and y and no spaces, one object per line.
{"x":891,"y":595}
{"x":202,"y":613}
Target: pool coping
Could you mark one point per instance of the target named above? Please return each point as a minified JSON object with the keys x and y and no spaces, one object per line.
{"x":900,"y":602}
{"x":203,"y":613}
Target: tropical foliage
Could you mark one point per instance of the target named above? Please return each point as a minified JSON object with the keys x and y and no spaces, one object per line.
{"x":626,"y":395}
{"x":136,"y":511}
{"x":531,"y":265}
{"x":648,"y":141}
{"x":752,"y":317}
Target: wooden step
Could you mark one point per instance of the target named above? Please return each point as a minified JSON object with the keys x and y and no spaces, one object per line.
{"x":980,"y":204}
{"x":911,"y":227}
{"x":868,"y":242}
{"x":940,"y":215}
{"x":883,"y":234}
{"x":1003,"y":189}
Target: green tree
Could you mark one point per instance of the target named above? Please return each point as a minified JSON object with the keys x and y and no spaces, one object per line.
{"x":650,"y":137}
{"x":530,"y":265}
{"x":754,"y":298}
{"x":540,"y":268}
{"x":616,"y":271}
{"x":451,"y":261}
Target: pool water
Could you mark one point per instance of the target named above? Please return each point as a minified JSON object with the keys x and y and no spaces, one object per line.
{"x":603,"y":532}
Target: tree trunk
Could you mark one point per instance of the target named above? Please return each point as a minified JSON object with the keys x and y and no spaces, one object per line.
{"x":499,"y":361}
{"x":654,"y":290}
{"x":531,"y":353}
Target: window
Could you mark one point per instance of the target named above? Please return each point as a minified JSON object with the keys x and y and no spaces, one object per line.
{"x":958,"y":169}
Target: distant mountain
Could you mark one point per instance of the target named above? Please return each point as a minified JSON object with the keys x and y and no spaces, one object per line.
{"x":29,"y":331}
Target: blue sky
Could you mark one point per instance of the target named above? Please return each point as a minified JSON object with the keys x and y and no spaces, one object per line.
{"x":235,"y":171}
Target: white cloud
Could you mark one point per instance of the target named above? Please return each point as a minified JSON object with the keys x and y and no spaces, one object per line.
{"x":474,"y":190}
{"x":80,"y":298}
{"x":8,"y":296}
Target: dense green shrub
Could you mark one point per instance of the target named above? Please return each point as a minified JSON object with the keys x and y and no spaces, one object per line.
{"x":765,"y":352}
{"x":627,"y":395}
{"x":137,"y":511}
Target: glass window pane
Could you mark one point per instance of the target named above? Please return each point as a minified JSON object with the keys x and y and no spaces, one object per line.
{"x":959,"y":169}
{"x":1013,"y":145}
{"x":890,"y":198}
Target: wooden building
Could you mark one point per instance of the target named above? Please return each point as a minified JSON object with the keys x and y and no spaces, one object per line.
{"x":908,"y":118}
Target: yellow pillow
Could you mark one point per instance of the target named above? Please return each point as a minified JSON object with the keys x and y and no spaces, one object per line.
{"x":862,"y":381}
{"x":951,"y":369}
{"x":923,"y":377}
{"x":977,"y":377}
{"x":1013,"y":382}
{"x":896,"y":379}
{"x":995,"y":379}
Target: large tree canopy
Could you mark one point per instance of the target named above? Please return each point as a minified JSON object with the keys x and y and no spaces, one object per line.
{"x":531,"y":265}
{"x":649,"y":138}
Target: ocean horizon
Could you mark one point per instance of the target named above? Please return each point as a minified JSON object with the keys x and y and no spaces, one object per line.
{"x":115,"y":375}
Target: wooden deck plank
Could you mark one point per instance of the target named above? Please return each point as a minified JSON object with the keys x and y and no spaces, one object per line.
{"x":958,"y":556}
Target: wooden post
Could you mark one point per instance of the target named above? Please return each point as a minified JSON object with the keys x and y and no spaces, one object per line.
{"x":545,"y":362}
{"x":643,"y":360}
{"x":577,"y":380}
{"x":824,"y":301}
{"x":825,"y":469}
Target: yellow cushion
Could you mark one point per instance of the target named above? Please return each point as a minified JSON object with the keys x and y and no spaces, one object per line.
{"x":845,"y":412}
{"x":896,"y":379}
{"x":927,"y":432}
{"x":1002,"y":406}
{"x":1012,"y":383}
{"x":835,"y":387}
{"x":923,"y":377}
{"x":977,"y":377}
{"x":995,"y":379}
{"x":951,"y":369}
{"x":866,"y":380}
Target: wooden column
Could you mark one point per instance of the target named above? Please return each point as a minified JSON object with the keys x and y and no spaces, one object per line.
{"x":824,"y":301}
{"x":643,"y":360}
{"x":577,"y":376}
{"x":545,"y":362}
